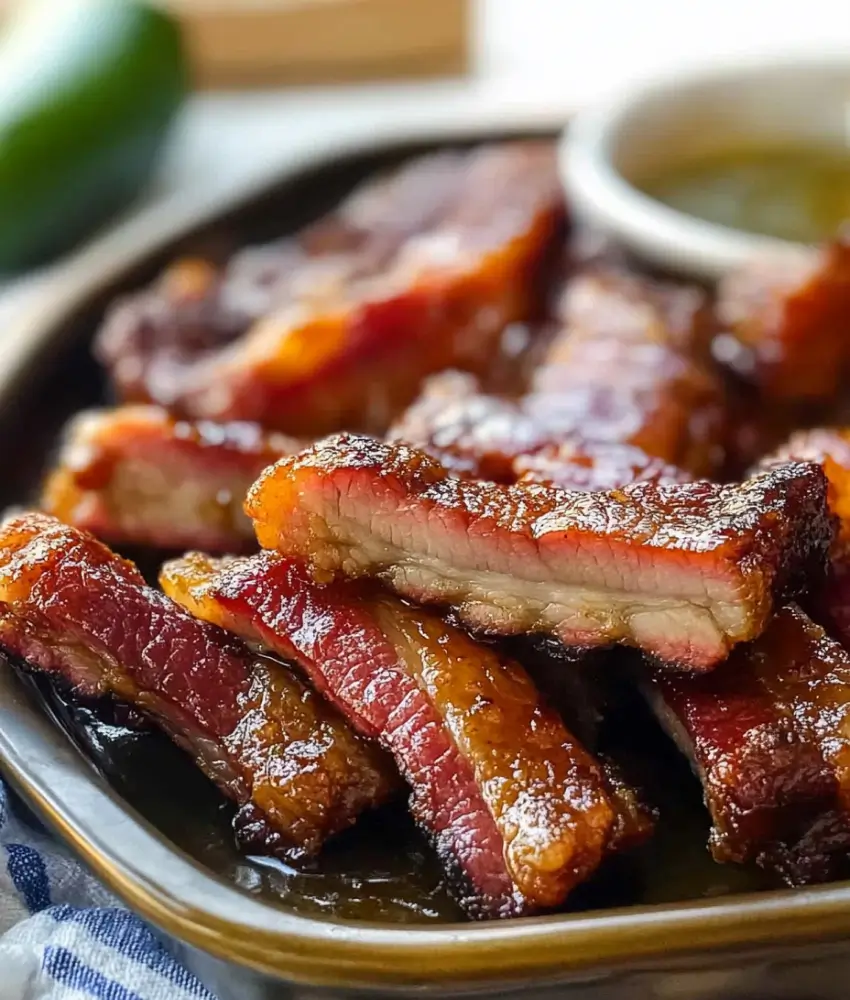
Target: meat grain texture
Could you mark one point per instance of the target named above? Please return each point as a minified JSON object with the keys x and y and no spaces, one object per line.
{"x":518,"y":811}
{"x":72,"y":608}
{"x":684,"y":572}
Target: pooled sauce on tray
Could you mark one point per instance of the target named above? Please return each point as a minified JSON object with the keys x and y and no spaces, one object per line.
{"x":798,"y":193}
{"x":383,"y":870}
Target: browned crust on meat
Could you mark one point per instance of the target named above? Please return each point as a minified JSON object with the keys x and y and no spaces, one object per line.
{"x":829,"y":447}
{"x":626,"y":367}
{"x":788,"y":319}
{"x":412,"y":274}
{"x":355,"y":506}
{"x":72,"y":608}
{"x":137,"y":475}
{"x":766,"y":733}
{"x":552,"y":805}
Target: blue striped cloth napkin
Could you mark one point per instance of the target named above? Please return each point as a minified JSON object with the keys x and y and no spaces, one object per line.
{"x":63,"y":936}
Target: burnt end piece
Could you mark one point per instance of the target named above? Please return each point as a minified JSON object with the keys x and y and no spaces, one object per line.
{"x":829,"y":447}
{"x":473,"y":434}
{"x":413,"y":273}
{"x":683,"y":572}
{"x":625,"y":367}
{"x":788,"y":317}
{"x":767,"y":734}
{"x":136,"y":475}
{"x":72,"y":608}
{"x":517,"y":810}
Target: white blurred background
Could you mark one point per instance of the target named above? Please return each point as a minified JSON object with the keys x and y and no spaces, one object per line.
{"x":527,"y":54}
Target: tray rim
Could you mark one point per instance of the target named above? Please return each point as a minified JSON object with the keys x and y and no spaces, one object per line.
{"x":168,"y":888}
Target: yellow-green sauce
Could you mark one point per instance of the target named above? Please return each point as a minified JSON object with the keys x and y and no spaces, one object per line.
{"x":795,"y":193}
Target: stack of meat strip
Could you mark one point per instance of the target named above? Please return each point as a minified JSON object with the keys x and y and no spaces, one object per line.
{"x":586,"y":507}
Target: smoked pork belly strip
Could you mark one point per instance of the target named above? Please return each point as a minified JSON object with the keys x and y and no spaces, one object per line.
{"x":516,"y":808}
{"x":684,"y":572}
{"x":788,"y":322}
{"x":625,"y":367}
{"x":137,"y":475}
{"x":337,"y":326}
{"x":768,"y":732}
{"x":72,"y":608}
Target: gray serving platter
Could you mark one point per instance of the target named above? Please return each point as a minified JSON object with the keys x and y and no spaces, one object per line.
{"x":790,"y":944}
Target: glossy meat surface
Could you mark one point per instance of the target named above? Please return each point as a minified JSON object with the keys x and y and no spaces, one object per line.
{"x":135,"y":475}
{"x":475,"y":435}
{"x":72,"y":608}
{"x":625,"y":367}
{"x":684,"y":572}
{"x":595,"y":467}
{"x":829,"y":447}
{"x":768,"y":734}
{"x":511,"y":801}
{"x":336,"y":327}
{"x":788,"y":318}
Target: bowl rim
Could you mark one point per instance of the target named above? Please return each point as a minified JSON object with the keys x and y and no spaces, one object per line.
{"x":658,"y":232}
{"x":178,"y":895}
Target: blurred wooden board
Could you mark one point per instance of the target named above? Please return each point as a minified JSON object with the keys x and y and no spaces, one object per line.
{"x":261,"y":42}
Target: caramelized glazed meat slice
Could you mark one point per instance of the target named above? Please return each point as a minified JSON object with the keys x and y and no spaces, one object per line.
{"x":194,"y":306}
{"x":474,"y":435}
{"x":754,"y":428}
{"x":789,"y":321}
{"x":684,"y":572}
{"x":512,"y":802}
{"x":829,"y":447}
{"x":604,"y":305}
{"x":413,"y":274}
{"x":72,"y":608}
{"x":595,"y":467}
{"x":629,"y":361}
{"x":768,"y":734}
{"x":136,"y":475}
{"x":624,"y":368}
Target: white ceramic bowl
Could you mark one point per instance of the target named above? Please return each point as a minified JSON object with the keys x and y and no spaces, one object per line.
{"x":789,"y":101}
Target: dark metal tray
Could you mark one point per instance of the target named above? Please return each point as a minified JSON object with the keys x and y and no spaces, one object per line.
{"x":177,"y":867}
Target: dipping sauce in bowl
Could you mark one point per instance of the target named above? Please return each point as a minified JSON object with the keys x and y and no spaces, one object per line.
{"x":797,"y":193}
{"x":700,"y":172}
